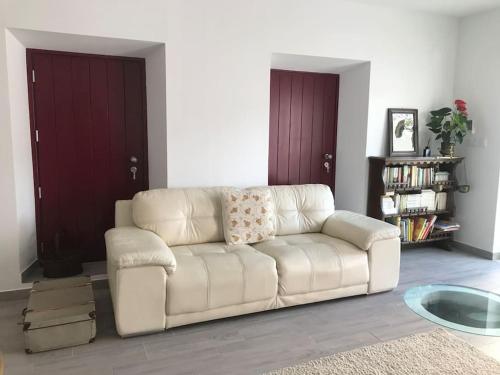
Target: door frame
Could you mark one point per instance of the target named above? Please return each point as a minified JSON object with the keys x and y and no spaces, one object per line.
{"x":34,"y":144}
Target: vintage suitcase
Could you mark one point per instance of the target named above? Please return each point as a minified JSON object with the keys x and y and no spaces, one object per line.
{"x":60,"y":313}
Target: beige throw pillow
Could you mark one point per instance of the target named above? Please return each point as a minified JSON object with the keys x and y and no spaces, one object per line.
{"x":248,"y":215}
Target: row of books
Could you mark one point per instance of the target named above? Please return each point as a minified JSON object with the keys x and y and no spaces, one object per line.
{"x":410,"y":175}
{"x":415,"y":229}
{"x":420,"y":228}
{"x":392,"y":203}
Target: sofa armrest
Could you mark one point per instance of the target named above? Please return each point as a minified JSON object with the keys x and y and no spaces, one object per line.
{"x":129,"y":247}
{"x":360,"y":230}
{"x":380,"y":240}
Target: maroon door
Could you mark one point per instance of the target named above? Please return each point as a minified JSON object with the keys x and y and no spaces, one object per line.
{"x":302,"y":128}
{"x":88,"y":122}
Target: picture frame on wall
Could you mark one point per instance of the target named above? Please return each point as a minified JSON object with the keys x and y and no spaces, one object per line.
{"x":403,"y":131}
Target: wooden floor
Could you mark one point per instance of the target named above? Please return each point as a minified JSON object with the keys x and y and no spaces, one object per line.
{"x":259,"y":342}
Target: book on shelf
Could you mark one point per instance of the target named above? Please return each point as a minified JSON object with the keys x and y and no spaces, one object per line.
{"x":429,"y":226}
{"x":428,"y":199}
{"x":419,"y":227}
{"x":413,"y":201}
{"x":441,"y":176}
{"x":409,"y":175}
{"x":393,"y":203}
{"x":446,"y":226}
{"x":389,"y":204}
{"x":409,"y":202}
{"x":414,"y":229}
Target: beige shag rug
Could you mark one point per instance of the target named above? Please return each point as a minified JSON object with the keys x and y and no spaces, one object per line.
{"x":432,"y":353}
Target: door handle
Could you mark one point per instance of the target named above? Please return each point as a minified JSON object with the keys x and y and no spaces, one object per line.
{"x":133,"y":170}
{"x":326,"y":164}
{"x":133,"y":159}
{"x":328,"y":156}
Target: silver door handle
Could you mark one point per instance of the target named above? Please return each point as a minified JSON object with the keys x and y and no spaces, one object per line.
{"x":326,"y":164}
{"x":133,"y":159}
{"x":328,"y":156}
{"x":134,"y":171}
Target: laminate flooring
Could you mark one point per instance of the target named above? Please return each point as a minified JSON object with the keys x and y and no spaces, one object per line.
{"x":260,"y":342}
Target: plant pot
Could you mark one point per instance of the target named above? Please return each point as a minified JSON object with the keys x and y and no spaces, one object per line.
{"x":62,"y":266}
{"x":447,"y":149}
{"x":463,"y":188}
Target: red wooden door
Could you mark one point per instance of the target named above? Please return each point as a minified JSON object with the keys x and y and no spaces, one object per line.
{"x":88,"y":127}
{"x":302,"y":128}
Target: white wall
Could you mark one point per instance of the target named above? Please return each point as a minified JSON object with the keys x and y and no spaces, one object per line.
{"x":21,"y":143}
{"x":496,"y":241}
{"x":9,"y":228}
{"x":217,"y":72}
{"x":157,"y":116}
{"x":478,"y":82}
{"x":352,"y":166}
{"x":412,"y":57}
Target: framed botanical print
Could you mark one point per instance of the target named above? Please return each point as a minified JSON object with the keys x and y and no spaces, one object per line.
{"x":403,"y":132}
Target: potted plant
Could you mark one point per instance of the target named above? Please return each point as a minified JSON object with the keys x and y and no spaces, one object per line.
{"x":451,"y":126}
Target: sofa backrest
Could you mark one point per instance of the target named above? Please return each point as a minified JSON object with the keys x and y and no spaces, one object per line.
{"x":123,"y":213}
{"x":301,"y":208}
{"x":194,"y":215}
{"x":180,"y":216}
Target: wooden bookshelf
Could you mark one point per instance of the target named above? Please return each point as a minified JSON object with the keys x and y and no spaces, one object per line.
{"x":378,"y":187}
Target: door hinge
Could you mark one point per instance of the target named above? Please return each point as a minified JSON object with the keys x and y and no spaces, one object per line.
{"x":33,"y":75}
{"x":39,"y":192}
{"x":36,"y":136}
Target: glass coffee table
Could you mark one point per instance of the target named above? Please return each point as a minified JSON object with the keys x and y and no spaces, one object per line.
{"x":462,"y":308}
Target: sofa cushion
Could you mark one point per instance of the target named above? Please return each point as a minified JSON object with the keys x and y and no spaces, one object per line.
{"x":248,"y":215}
{"x":301,"y":208}
{"x":215,"y":275}
{"x":180,"y":216}
{"x":315,"y":262}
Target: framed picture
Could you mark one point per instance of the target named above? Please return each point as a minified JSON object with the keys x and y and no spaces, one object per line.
{"x":403,"y":132}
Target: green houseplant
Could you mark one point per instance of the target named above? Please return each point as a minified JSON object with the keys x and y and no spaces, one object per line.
{"x":451,"y":126}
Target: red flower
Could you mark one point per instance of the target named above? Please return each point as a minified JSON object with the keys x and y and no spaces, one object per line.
{"x":461,"y":105}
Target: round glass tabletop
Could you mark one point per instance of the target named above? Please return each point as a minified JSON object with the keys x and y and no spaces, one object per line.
{"x":457,"y":307}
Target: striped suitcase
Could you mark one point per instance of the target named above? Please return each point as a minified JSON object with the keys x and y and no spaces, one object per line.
{"x":60,"y":313}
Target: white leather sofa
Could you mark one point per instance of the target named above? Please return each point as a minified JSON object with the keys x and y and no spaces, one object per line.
{"x":168,"y":264}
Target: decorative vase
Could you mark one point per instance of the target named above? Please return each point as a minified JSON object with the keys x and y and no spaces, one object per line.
{"x":447,"y":149}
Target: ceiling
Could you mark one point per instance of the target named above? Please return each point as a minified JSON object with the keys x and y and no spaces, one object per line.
{"x":456,"y":8}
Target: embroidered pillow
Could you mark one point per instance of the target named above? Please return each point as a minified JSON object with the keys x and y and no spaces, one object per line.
{"x":248,"y":215}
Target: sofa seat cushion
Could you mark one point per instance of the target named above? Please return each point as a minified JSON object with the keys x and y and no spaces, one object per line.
{"x":214,"y":275}
{"x":314,"y":262}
